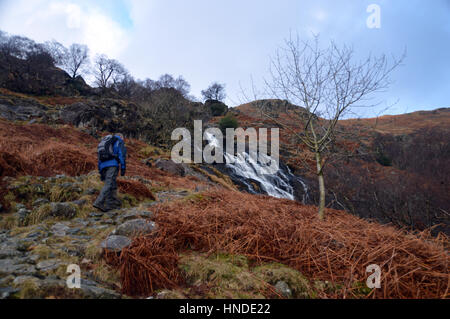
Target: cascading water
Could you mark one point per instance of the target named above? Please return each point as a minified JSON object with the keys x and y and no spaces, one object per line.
{"x":250,"y":172}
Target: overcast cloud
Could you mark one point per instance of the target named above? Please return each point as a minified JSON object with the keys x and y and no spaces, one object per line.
{"x":229,"y":41}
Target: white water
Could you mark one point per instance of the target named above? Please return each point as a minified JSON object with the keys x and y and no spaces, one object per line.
{"x":247,"y":168}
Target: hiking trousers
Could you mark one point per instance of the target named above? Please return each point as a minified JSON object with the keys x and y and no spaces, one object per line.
{"x":108,"y":195}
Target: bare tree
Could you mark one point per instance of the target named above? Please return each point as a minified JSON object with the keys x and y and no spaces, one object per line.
{"x":108,"y":71}
{"x":215,"y":91}
{"x":327,"y":83}
{"x":77,"y":59}
{"x":168,"y":81}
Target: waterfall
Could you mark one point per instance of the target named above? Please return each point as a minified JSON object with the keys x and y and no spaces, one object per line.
{"x":248,"y":171}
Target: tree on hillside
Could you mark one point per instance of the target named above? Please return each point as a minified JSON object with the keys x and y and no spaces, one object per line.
{"x":327,"y":83}
{"x":168,"y":81}
{"x":108,"y":71}
{"x":215,"y":91}
{"x":77,"y":59}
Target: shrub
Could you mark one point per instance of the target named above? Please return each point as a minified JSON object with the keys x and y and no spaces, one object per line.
{"x":228,"y":121}
{"x":217,"y":108}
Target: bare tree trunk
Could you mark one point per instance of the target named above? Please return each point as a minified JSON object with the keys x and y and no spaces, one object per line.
{"x":321,"y":186}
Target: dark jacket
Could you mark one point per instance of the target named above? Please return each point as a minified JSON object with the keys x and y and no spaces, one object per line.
{"x":121,"y":152}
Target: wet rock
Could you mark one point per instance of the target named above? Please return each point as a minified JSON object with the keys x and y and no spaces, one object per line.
{"x":283,"y":288}
{"x":115,"y":243}
{"x":135,"y":227}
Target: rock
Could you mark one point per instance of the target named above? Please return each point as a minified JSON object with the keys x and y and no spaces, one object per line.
{"x":65,"y":210}
{"x":116,"y":243}
{"x":135,"y":227}
{"x":95,"y":292}
{"x":59,"y":229}
{"x":170,"y":166}
{"x":48,"y":265}
{"x":20,"y":206}
{"x":19,"y":281}
{"x":135,"y":214}
{"x":80,"y":202}
{"x":283,"y":289}
{"x":22,"y":215}
{"x":16,"y":267}
{"x":95,"y":214}
{"x":9,"y":251}
{"x":6,"y":292}
{"x":40,"y":201}
{"x":90,"y":191}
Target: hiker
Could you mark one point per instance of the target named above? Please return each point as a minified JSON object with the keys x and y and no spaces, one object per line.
{"x":111,"y":153}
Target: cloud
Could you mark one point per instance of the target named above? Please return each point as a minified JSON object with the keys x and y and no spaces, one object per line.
{"x":67,"y":22}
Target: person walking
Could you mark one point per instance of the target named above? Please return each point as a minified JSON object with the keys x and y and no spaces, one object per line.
{"x":111,"y":155}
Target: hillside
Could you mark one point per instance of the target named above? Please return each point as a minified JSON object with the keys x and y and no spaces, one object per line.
{"x":186,"y":230}
{"x":396,"y":169}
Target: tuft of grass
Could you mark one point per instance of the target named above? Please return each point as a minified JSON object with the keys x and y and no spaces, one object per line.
{"x":9,"y":222}
{"x":38,"y":215}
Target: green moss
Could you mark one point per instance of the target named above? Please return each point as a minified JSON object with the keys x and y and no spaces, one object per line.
{"x":226,"y":276}
{"x":274,"y":272}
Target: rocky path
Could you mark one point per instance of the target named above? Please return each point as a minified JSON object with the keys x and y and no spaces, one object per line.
{"x":34,"y":259}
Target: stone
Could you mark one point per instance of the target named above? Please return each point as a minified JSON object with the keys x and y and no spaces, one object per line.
{"x":22,"y":214}
{"x":135,"y":214}
{"x":7,"y":251}
{"x":16,"y":267}
{"x":95,"y":292}
{"x":80,"y":202}
{"x":170,"y":167}
{"x":283,"y":288}
{"x":19,"y":281}
{"x":6,"y":292}
{"x":48,"y":265}
{"x":66,"y":210}
{"x":60,"y":229}
{"x":115,"y":243}
{"x":90,"y":191}
{"x":135,"y":227}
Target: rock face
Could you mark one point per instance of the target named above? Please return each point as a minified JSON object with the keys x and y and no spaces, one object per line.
{"x":170,"y":167}
{"x":115,"y":243}
{"x":135,"y":227}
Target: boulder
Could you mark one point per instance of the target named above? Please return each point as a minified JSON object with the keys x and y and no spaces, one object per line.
{"x":283,"y":288}
{"x":65,"y":210}
{"x":170,"y":167}
{"x":115,"y":243}
{"x":135,"y":227}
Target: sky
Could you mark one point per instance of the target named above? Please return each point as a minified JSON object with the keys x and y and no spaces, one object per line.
{"x":231,"y":41}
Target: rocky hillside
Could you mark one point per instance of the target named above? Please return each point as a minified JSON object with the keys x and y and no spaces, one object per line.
{"x":184,"y":231}
{"x":396,"y":169}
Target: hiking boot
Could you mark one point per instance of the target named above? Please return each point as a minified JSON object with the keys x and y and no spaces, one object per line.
{"x":100,"y":207}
